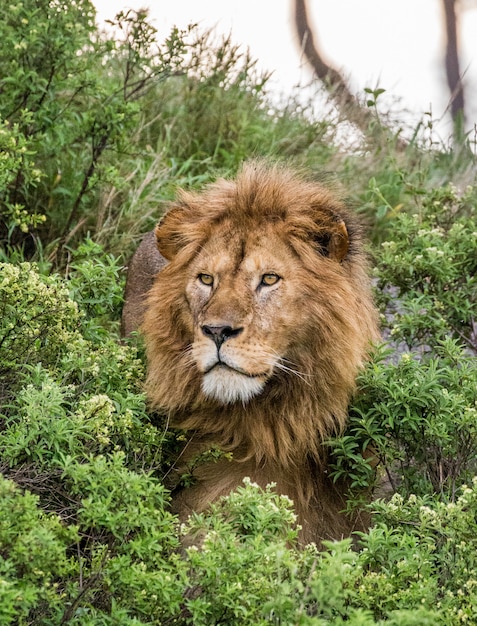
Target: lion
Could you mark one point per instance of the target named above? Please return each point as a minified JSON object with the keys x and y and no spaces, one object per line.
{"x":257,"y":322}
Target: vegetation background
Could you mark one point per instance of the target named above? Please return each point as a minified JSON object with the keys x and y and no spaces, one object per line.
{"x":96,"y":134}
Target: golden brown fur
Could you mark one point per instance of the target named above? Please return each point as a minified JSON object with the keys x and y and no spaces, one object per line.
{"x":255,"y":331}
{"x":142,"y":270}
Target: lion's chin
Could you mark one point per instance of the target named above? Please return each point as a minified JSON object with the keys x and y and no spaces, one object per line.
{"x":228,"y":386}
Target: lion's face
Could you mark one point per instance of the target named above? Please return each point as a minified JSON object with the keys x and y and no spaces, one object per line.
{"x":264,"y":300}
{"x":245,"y":303}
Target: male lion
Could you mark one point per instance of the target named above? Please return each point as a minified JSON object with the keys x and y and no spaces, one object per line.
{"x":255,"y":330}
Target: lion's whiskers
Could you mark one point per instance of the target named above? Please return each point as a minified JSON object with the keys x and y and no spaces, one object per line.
{"x":290,"y":370}
{"x":277,"y":361}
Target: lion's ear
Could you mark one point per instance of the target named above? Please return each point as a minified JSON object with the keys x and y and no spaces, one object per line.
{"x":171,"y":232}
{"x":333,"y":240}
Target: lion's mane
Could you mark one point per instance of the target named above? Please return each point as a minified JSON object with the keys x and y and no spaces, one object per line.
{"x":277,"y":435}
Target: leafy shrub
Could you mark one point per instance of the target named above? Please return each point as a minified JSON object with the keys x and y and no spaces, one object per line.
{"x":112,"y":563}
{"x":96,"y":283}
{"x":418,"y":415}
{"x":421,"y":553}
{"x":427,"y":272}
{"x":69,"y":100}
{"x":75,"y":432}
{"x":16,"y":157}
{"x":419,"y":418}
{"x":39,"y":321}
{"x":52,"y":366}
{"x":34,"y":556}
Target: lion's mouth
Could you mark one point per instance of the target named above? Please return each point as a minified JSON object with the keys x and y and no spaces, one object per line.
{"x":237,"y":370}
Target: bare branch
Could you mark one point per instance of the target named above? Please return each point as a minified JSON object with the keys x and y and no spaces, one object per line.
{"x":332,"y":79}
{"x":453,"y":74}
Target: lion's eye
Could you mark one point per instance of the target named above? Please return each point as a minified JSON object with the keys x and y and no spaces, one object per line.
{"x":206,"y":279}
{"x":269,"y":279}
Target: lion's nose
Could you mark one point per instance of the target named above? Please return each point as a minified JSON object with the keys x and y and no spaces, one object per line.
{"x":219,"y":334}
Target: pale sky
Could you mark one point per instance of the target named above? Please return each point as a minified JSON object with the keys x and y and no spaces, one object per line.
{"x":397,"y":44}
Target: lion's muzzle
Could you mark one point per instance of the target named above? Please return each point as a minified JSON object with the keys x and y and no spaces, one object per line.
{"x":226,"y":374}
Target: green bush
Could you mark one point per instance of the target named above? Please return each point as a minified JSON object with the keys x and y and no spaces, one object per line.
{"x":34,"y":556}
{"x":421,"y":553}
{"x":88,"y":463}
{"x":39,"y":322}
{"x":427,"y":271}
{"x":420,"y":419}
{"x":69,"y":102}
{"x":418,"y":414}
{"x":75,"y":432}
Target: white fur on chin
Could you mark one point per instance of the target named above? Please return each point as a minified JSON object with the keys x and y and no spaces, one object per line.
{"x":228,"y":386}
